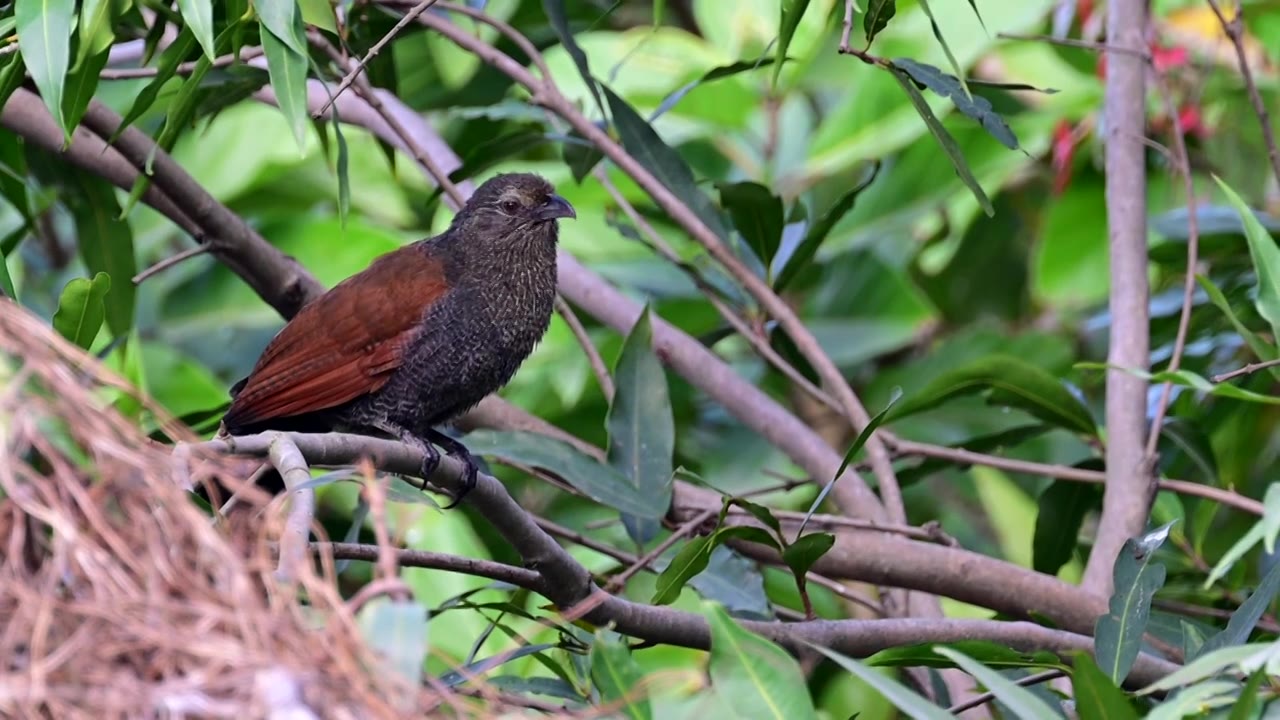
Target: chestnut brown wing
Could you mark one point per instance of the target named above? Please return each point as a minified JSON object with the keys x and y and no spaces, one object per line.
{"x":345,"y":344}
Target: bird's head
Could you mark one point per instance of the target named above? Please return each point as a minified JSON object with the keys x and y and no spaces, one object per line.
{"x":510,"y":206}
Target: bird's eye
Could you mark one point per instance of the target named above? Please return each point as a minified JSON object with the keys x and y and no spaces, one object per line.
{"x":510,"y":206}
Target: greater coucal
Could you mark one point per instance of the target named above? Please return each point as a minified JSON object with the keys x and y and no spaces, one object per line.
{"x":420,"y":336}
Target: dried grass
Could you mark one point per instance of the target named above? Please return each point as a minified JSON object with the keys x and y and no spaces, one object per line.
{"x":119,"y":598}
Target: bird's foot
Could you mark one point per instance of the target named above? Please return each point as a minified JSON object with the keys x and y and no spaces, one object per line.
{"x":458,"y":451}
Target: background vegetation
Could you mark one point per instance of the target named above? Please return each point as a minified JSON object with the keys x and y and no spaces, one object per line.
{"x":796,"y":225}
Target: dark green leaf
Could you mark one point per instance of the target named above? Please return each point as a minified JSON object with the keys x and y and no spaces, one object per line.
{"x":1260,"y":348}
{"x":320,"y":14}
{"x":198,"y":15}
{"x":755,"y":677}
{"x":1192,"y":442}
{"x":1266,"y":259}
{"x":288,"y":71}
{"x":106,"y":245}
{"x":760,"y":512}
{"x":44,"y":34}
{"x":975,"y":107}
{"x":81,"y":84}
{"x":756,"y":214}
{"x":1119,"y":633}
{"x":1246,"y":617}
{"x":735,"y":581}
{"x":343,"y":169}
{"x":617,"y":676}
{"x":689,"y":561}
{"x":801,"y":555}
{"x":792,"y":12}
{"x":11,"y":77}
{"x":1062,"y":508}
{"x":456,"y":678}
{"x":877,"y":17}
{"x":657,"y":157}
{"x":550,"y":687}
{"x":944,"y":138}
{"x":13,"y":174}
{"x":6,"y":281}
{"x":988,"y":653}
{"x":81,"y":309}
{"x":946,"y":49}
{"x":1097,"y":697}
{"x":560,"y":24}
{"x":172,"y":57}
{"x":1246,"y":706}
{"x":1018,"y":383}
{"x":715,"y":73}
{"x":580,"y":155}
{"x":641,"y":428}
{"x":597,"y":481}
{"x":94,"y":30}
{"x":485,"y":155}
{"x":283,"y":18}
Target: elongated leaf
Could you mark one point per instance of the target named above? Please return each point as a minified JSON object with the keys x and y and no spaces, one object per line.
{"x":617,"y":676}
{"x":944,"y":139}
{"x":1246,"y":706}
{"x":715,"y":73}
{"x":877,"y":17}
{"x":11,"y":76}
{"x":1266,"y":259}
{"x":1097,"y":698}
{"x":756,"y":214}
{"x":198,"y":15}
{"x":1246,"y":617}
{"x":343,"y":168}
{"x":81,"y":309}
{"x":902,"y":697}
{"x":1186,"y":378}
{"x":560,"y":24}
{"x":984,"y":651}
{"x":1062,"y":508}
{"x":667,"y":166}
{"x":946,"y":49}
{"x":6,"y":280}
{"x":597,"y":481}
{"x":641,"y":428}
{"x":818,"y":231}
{"x":975,"y":107}
{"x":1206,"y":666}
{"x":81,"y":85}
{"x":792,"y":12}
{"x":288,"y":72}
{"x":1019,"y":384}
{"x":753,"y":676}
{"x":320,"y":14}
{"x":1237,"y":550}
{"x":172,"y":57}
{"x":1271,"y":517}
{"x":44,"y":33}
{"x":1019,"y":700}
{"x":94,"y":30}
{"x":1261,"y":348}
{"x":106,"y":246}
{"x":688,"y":562}
{"x":801,"y":555}
{"x":1119,"y":633}
{"x":283,"y":18}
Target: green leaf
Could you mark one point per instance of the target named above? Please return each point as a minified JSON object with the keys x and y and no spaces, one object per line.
{"x":581,"y":156}
{"x":948,"y":143}
{"x":689,"y":561}
{"x":44,"y":34}
{"x":560,"y":24}
{"x":988,"y":653}
{"x":946,"y":49}
{"x":760,"y":512}
{"x":617,"y":676}
{"x":1186,"y":378}
{"x":1245,"y":707}
{"x":288,"y":72}
{"x":641,"y":428}
{"x":1206,"y":666}
{"x":198,"y":15}
{"x":974,"y":107}
{"x":1260,"y":348}
{"x":6,"y":280}
{"x":1119,"y":633}
{"x":81,"y":309}
{"x":801,"y":555}
{"x":903,"y":697}
{"x":81,"y":84}
{"x":877,"y":17}
{"x":397,"y":631}
{"x":343,"y":169}
{"x":106,"y":246}
{"x":94,"y":30}
{"x":756,"y":214}
{"x":1018,"y":384}
{"x":849,"y":455}
{"x":319,"y":13}
{"x":1266,"y":259}
{"x":1255,"y":535}
{"x":716,"y":73}
{"x":792,"y":12}
{"x":1097,"y":698}
{"x":1062,"y":508}
{"x":11,"y":77}
{"x":489,"y":153}
{"x":820,"y":229}
{"x":1019,"y":700}
{"x":1246,"y":617}
{"x":734,"y":580}
{"x":657,"y":157}
{"x":172,"y":57}
{"x":597,"y":481}
{"x":755,"y":677}
{"x":283,"y":18}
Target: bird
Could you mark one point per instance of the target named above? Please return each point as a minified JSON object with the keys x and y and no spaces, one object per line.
{"x":420,"y":336}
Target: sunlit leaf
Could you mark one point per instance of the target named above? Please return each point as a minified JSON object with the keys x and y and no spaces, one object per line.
{"x":283,"y":18}
{"x":44,"y":33}
{"x":94,"y":29}
{"x":617,"y":677}
{"x":81,"y":309}
{"x":198,"y":15}
{"x":755,"y":677}
{"x":792,"y":12}
{"x":1205,"y":666}
{"x":288,"y":71}
{"x":1266,"y":259}
{"x":106,"y":245}
{"x":1119,"y":632}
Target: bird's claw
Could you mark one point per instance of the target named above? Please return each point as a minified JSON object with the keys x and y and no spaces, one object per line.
{"x":469,"y":473}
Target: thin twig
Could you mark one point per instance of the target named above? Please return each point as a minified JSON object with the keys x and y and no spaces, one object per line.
{"x":1081,"y":44}
{"x":359,"y":66}
{"x":169,"y":262}
{"x":598,"y":365}
{"x":1246,"y":370}
{"x":619,"y":581}
{"x":988,"y":696}
{"x":186,"y":68}
{"x":1235,"y":32}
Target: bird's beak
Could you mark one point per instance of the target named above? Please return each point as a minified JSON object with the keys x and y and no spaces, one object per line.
{"x":556,"y":207}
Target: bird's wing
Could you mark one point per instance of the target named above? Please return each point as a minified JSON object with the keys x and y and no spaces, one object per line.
{"x":345,"y":344}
